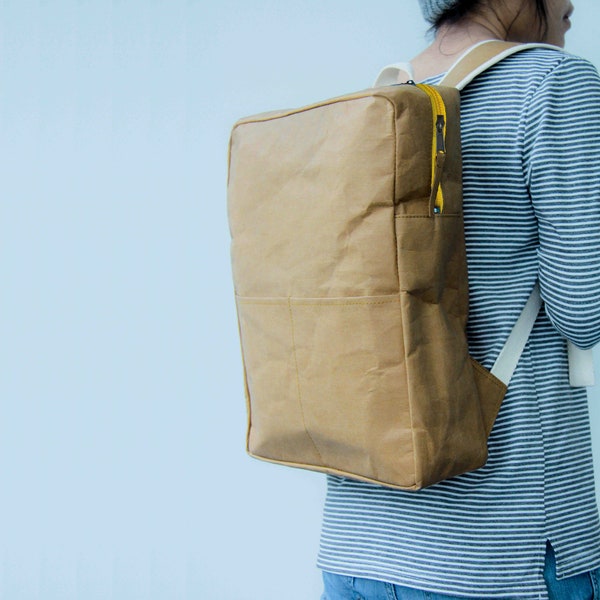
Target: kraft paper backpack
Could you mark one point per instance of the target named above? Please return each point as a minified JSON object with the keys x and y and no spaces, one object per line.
{"x":350,"y":275}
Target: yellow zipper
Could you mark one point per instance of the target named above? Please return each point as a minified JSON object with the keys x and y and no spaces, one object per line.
{"x":438,"y":146}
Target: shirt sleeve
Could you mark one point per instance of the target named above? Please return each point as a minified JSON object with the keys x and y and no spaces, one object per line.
{"x":562,"y":169}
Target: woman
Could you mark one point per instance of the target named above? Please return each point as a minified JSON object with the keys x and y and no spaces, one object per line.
{"x":526,"y":525}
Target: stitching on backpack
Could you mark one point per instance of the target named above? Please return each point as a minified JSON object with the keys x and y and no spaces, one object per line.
{"x":298,"y":383}
{"x":319,"y":302}
{"x":323,"y":302}
{"x":441,"y":216}
{"x":418,"y":473}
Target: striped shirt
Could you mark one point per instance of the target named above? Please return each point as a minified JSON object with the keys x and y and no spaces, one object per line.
{"x":531,"y":152}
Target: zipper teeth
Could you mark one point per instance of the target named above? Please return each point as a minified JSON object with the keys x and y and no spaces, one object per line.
{"x":435,"y":99}
{"x":435,"y":96}
{"x":439,"y":109}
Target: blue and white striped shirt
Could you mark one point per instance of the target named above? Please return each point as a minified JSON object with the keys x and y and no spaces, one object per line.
{"x":531,"y":154}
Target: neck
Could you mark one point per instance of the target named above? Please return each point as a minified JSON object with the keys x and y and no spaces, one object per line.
{"x":453,"y":40}
{"x":450,"y":42}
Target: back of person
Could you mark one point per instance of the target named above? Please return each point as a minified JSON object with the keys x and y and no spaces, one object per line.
{"x":531,"y":177}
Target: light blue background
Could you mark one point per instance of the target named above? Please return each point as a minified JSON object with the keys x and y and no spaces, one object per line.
{"x":122,"y":466}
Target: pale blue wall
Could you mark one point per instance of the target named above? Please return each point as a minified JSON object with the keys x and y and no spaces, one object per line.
{"x":122,"y":469}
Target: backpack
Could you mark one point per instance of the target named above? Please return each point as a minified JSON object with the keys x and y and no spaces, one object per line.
{"x":350,"y":277}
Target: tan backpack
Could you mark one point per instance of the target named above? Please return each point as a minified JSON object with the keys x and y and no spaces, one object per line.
{"x":350,"y":276}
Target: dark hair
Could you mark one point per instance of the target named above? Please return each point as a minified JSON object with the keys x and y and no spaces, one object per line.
{"x":462,"y":8}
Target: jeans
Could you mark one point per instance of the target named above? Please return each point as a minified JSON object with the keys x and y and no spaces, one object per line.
{"x":581,"y":587}
{"x":339,"y":587}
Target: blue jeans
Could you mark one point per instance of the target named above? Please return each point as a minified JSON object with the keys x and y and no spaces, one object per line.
{"x":340,"y":587}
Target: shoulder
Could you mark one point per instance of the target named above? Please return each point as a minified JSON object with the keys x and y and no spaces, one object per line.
{"x":534,"y":72}
{"x":535,"y":65}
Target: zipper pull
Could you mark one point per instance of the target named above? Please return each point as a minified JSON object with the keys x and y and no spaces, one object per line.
{"x":439,"y":127}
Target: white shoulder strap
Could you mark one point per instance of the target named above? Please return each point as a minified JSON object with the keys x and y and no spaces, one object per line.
{"x":509,"y":356}
{"x":474,"y":61}
{"x":392,"y":74}
{"x":581,"y":362}
{"x":581,"y":366}
{"x":481,"y":57}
